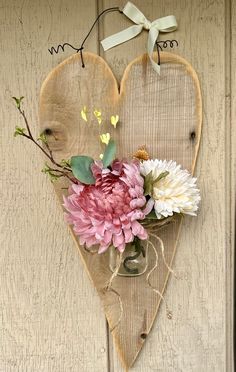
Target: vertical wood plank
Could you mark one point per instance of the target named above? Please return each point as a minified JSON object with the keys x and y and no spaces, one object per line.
{"x":200,"y":301}
{"x":231,"y":95}
{"x":50,"y":315}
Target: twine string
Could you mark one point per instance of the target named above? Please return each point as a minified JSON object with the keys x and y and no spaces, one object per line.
{"x":115,"y":273}
{"x":163,"y":254}
{"x":121,"y":309}
{"x":158,"y":225}
{"x":108,"y":288}
{"x":150,"y":226}
{"x":168,"y":312}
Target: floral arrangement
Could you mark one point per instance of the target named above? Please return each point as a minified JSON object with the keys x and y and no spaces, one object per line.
{"x":114,"y":202}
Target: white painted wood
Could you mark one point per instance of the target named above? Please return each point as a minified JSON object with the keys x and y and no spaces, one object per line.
{"x":231,"y":141}
{"x":50,"y":315}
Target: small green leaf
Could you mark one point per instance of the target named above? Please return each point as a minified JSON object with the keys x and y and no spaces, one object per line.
{"x":19,"y":131}
{"x":53,"y":177}
{"x":151,"y":216}
{"x":18,"y":101}
{"x":81,"y":168}
{"x":48,"y":171}
{"x":109,"y":154}
{"x":148,"y":184}
{"x":43,"y":138}
{"x":65,"y":162}
{"x":161,"y":175}
{"x":46,"y":168}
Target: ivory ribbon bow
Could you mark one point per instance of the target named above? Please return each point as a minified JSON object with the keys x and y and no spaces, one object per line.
{"x":165,"y":24}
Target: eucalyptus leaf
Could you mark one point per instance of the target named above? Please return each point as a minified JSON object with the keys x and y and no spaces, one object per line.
{"x":81,"y":168}
{"x":109,"y":154}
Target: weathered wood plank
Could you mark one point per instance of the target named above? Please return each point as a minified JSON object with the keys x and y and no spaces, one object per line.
{"x":199,"y":300}
{"x":51,"y":317}
{"x":230,"y":39}
{"x":68,"y":88}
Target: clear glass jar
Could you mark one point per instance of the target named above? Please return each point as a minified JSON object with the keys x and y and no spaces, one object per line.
{"x":134,"y":259}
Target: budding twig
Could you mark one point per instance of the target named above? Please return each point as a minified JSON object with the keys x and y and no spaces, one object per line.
{"x":63,"y":171}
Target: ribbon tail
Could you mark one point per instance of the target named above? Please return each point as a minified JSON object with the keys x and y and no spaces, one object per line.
{"x":133,"y":13}
{"x":121,"y":37}
{"x":152,"y":37}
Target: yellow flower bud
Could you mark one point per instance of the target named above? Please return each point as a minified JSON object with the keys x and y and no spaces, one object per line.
{"x":114,"y":120}
{"x":98,"y":116}
{"x":105,"y":138}
{"x":84,"y":113}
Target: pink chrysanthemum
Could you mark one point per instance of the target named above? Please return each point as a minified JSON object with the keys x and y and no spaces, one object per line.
{"x":107,"y":213}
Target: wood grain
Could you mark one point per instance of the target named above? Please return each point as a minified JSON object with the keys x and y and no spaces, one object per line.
{"x":162,"y":112}
{"x":45,"y":293}
{"x":45,"y":325}
{"x":230,"y":96}
{"x":201,"y":306}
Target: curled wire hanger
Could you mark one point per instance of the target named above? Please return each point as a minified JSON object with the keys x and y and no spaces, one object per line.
{"x":56,"y":50}
{"x":61,"y":47}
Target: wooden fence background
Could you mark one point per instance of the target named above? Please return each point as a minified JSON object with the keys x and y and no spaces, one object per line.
{"x":50,"y":316}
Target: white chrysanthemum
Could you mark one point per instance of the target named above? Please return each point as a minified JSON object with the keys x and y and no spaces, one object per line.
{"x":174,"y":193}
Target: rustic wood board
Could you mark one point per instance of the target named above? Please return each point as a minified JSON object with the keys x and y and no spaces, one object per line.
{"x":45,"y":295}
{"x":45,"y":325}
{"x":164,"y":113}
{"x":187,"y":343}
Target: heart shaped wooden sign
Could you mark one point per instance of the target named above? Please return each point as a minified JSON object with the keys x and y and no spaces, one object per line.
{"x":164,"y":113}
